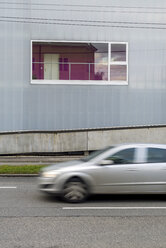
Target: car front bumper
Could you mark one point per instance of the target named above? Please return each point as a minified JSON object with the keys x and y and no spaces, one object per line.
{"x":48,"y":185}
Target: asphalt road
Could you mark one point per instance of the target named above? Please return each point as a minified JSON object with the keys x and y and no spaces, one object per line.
{"x":29,"y":219}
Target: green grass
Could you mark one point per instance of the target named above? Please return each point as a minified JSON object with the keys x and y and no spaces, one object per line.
{"x":20,"y":169}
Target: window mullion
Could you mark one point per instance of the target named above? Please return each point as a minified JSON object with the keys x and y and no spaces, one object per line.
{"x":109,"y":60}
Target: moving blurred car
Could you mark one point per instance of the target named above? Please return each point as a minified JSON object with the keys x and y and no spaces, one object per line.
{"x":121,"y":169}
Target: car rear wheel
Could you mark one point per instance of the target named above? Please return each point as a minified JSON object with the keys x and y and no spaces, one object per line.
{"x":75,"y":191}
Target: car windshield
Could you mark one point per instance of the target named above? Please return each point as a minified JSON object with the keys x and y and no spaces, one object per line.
{"x":96,"y":153}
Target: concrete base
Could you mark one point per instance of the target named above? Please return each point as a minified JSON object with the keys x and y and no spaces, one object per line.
{"x":77,"y":140}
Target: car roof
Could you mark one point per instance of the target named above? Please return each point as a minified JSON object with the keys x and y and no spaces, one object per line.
{"x":154,"y":145}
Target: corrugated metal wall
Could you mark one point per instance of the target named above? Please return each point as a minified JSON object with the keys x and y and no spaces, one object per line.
{"x":24,"y":106}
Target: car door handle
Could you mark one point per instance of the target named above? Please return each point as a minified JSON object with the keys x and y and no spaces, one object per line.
{"x":132,"y":169}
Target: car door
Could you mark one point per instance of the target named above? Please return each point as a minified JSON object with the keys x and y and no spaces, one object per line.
{"x":155,"y":169}
{"x":123,"y":175}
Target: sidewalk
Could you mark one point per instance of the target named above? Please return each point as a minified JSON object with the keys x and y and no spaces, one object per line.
{"x":22,"y":160}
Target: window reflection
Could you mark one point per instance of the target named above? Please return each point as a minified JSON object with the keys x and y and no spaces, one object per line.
{"x":70,"y":61}
{"x":101,"y":62}
{"x":78,"y":61}
{"x":118,"y":52}
{"x":118,"y":72}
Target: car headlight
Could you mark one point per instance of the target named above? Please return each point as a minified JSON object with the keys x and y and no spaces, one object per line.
{"x":49,"y":174}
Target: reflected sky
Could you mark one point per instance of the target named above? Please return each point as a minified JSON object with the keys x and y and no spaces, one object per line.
{"x":101,"y":60}
{"x":118,"y":52}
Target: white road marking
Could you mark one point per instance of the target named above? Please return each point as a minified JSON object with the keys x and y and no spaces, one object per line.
{"x":111,"y":208}
{"x":8,"y":187}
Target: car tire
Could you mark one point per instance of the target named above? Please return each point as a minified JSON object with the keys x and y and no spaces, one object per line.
{"x":75,"y":191}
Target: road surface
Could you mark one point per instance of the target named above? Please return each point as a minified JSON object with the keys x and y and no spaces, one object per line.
{"x":32,"y":220}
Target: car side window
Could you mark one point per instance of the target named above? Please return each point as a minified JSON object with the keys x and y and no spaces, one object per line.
{"x":123,"y":157}
{"x":156,"y":155}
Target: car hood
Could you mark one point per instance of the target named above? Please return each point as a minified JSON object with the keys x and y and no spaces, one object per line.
{"x":62,"y":165}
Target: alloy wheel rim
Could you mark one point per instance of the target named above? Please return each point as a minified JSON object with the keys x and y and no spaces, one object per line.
{"x":75,"y":191}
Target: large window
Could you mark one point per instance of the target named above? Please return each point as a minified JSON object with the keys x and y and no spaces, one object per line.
{"x":55,"y":62}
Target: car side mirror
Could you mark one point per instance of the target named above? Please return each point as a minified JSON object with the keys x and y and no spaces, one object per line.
{"x":106,"y":162}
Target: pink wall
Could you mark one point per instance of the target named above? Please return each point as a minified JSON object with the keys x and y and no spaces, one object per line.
{"x":71,"y":54}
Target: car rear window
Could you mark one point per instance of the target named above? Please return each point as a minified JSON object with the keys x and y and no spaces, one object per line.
{"x":156,"y":155}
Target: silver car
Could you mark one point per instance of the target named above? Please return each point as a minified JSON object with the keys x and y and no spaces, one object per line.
{"x":120,"y":169}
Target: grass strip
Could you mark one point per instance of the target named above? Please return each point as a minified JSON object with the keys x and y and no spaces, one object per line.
{"x":20,"y":169}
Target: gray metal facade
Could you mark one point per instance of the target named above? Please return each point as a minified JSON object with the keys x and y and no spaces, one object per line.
{"x":24,"y":106}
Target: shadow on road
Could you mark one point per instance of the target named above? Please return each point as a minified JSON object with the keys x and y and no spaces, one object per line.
{"x":127,"y":198}
{"x":110,"y":198}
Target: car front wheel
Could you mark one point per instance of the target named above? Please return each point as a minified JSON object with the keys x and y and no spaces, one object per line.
{"x":75,"y":191}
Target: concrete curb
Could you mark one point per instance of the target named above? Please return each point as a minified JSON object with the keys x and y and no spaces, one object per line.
{"x":19,"y":175}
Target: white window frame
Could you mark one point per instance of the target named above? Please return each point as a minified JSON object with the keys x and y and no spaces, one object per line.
{"x":85,"y":82}
{"x":119,"y":62}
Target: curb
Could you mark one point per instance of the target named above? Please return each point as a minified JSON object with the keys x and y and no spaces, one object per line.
{"x":19,"y":175}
